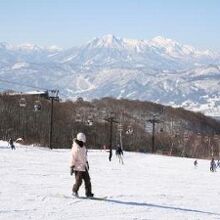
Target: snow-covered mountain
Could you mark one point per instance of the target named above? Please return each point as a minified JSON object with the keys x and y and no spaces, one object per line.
{"x":160,"y":70}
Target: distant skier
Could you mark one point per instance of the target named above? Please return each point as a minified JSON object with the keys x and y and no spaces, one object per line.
{"x":212,"y":165}
{"x":218,"y":163}
{"x":195,"y":163}
{"x":104,"y":147}
{"x":11,"y":143}
{"x":80,"y":165}
{"x":119,"y":153}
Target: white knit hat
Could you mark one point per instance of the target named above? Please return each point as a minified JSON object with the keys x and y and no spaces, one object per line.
{"x":81,"y":137}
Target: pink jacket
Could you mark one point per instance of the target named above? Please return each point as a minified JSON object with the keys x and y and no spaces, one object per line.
{"x":78,"y":157}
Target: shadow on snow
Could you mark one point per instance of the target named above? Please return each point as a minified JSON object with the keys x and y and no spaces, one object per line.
{"x":160,"y":206}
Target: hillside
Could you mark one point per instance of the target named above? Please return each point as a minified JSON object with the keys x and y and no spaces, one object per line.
{"x":177,"y":132}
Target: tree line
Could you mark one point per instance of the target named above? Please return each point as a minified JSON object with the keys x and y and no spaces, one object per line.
{"x":178,"y":131}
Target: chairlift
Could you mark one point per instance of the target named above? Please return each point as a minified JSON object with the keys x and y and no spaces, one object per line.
{"x":78,"y":118}
{"x":89,"y":122}
{"x":129,"y":130}
{"x":37,"y":106}
{"x":22,"y":102}
{"x":206,"y":139}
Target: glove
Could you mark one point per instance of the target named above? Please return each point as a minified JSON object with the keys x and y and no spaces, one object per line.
{"x":71,"y":170}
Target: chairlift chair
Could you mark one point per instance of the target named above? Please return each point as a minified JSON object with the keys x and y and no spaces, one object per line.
{"x":37,"y":106}
{"x":129,"y":130}
{"x":89,"y":122}
{"x":206,"y":139}
{"x":78,"y":118}
{"x":22,"y":102}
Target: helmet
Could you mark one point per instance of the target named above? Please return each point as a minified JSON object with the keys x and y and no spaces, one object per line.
{"x":81,"y":137}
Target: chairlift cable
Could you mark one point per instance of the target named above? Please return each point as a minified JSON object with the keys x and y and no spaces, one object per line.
{"x":21,"y":84}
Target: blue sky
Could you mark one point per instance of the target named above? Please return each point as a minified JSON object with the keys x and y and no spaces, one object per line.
{"x":68,"y":23}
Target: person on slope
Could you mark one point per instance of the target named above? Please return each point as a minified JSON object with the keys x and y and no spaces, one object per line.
{"x":119,"y":153}
{"x":195,"y":163}
{"x":11,"y":143}
{"x":80,"y":166}
{"x":218,"y":163}
{"x":212,"y":165}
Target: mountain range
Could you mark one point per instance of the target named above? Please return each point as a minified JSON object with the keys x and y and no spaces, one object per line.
{"x":159,"y":70}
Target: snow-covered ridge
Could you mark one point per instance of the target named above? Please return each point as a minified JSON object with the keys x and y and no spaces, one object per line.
{"x":170,"y":47}
{"x":28,"y":47}
{"x":176,"y":49}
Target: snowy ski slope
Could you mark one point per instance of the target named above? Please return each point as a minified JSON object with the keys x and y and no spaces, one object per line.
{"x":35,"y":184}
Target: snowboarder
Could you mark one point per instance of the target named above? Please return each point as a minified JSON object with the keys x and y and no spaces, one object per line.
{"x":11,"y":143}
{"x":195,"y":163}
{"x":212,"y":165}
{"x":119,"y":153}
{"x":80,"y":165}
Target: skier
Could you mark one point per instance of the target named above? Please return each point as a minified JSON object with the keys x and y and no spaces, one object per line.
{"x":195,"y":163}
{"x":104,"y":147}
{"x":80,"y":165}
{"x":11,"y":143}
{"x":218,"y":163}
{"x":119,"y":153}
{"x":212,"y":165}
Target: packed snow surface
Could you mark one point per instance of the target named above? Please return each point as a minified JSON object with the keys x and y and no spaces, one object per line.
{"x":35,"y":184}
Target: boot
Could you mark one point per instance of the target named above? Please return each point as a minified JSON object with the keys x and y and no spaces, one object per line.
{"x":90,"y":195}
{"x":75,"y":194}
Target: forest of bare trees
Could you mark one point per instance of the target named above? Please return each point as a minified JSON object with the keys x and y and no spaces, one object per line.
{"x":177,"y":131}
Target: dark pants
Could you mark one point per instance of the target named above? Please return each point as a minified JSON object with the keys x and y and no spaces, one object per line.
{"x":80,"y":176}
{"x":12,"y":146}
